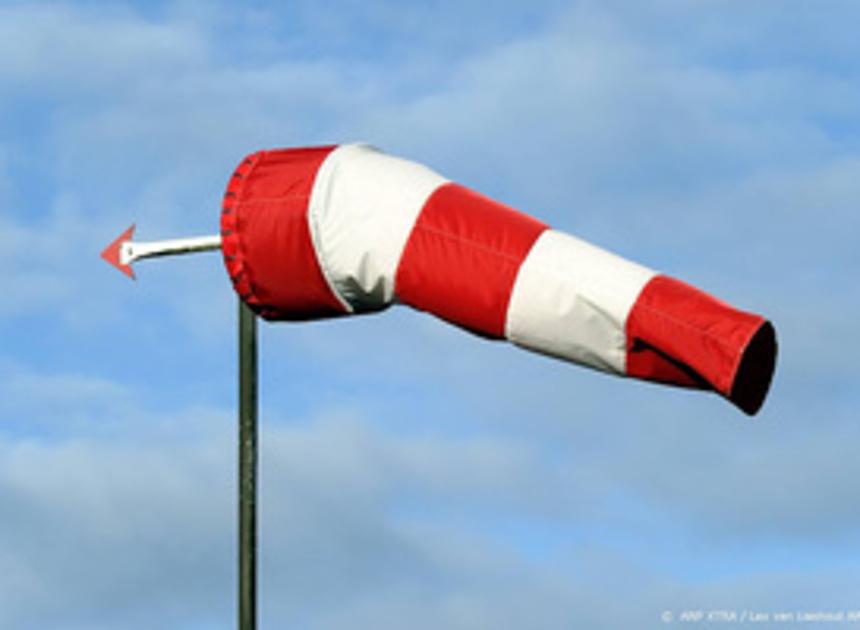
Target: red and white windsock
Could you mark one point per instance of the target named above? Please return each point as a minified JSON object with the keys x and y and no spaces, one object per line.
{"x":326,"y":231}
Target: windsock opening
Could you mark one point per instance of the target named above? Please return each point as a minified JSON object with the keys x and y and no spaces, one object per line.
{"x":755,"y":371}
{"x":680,"y":335}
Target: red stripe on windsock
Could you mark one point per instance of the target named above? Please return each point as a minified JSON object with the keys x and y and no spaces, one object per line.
{"x":681,"y":335}
{"x":462,"y":258}
{"x":266,"y":239}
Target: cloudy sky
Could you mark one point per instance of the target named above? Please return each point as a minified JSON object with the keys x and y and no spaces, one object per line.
{"x":414,"y":476}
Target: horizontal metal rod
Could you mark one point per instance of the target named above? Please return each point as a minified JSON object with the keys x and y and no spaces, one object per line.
{"x":131,"y":251}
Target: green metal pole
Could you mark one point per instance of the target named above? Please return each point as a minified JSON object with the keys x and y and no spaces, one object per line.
{"x":247,"y":468}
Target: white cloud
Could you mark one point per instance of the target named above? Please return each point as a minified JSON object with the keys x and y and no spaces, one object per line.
{"x":555,"y":121}
{"x":103,"y":533}
{"x":72,"y":50}
{"x":95,"y":526}
{"x":97,"y":522}
{"x":35,"y":255}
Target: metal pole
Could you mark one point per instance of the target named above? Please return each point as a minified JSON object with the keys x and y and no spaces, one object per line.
{"x":247,"y":468}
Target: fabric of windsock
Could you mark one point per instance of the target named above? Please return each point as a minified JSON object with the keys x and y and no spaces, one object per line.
{"x":328,"y":231}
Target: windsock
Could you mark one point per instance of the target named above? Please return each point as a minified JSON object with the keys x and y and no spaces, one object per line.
{"x":337,"y":230}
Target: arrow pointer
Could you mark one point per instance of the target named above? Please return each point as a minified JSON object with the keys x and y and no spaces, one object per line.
{"x":123,"y":251}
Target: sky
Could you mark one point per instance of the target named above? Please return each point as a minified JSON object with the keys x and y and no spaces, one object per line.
{"x":413,"y":475}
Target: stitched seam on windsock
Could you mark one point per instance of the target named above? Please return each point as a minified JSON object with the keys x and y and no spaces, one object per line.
{"x":237,"y":267}
{"x":498,"y":253}
{"x":719,"y":340}
{"x":314,"y":202}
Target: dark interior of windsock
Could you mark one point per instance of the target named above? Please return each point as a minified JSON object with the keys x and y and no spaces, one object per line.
{"x":755,"y":371}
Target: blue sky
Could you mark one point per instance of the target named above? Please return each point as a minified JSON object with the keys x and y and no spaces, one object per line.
{"x":413,"y":475}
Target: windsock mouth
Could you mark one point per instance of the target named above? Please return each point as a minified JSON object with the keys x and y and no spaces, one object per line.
{"x":755,"y":370}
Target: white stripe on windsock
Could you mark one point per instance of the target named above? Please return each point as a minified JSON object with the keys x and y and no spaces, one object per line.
{"x":359,"y":194}
{"x":571,"y":300}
